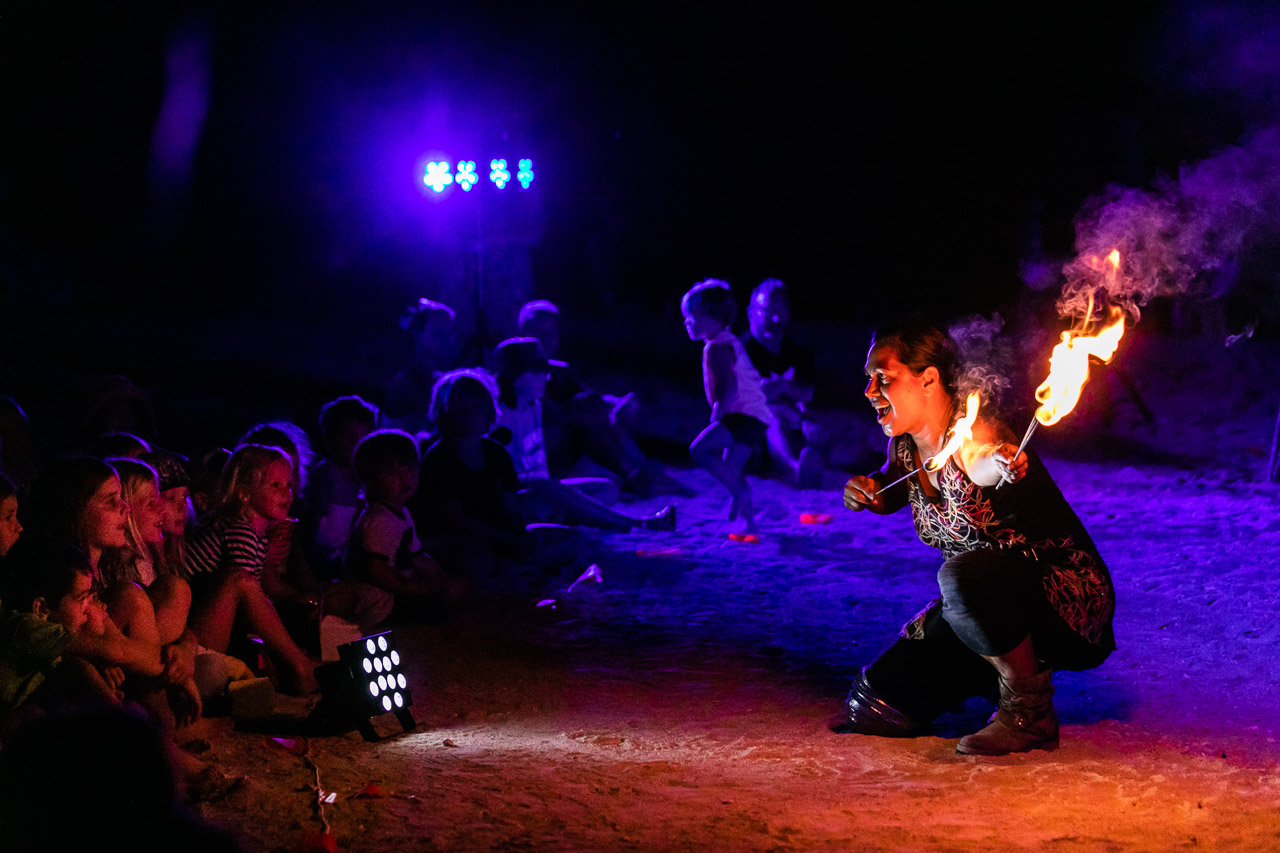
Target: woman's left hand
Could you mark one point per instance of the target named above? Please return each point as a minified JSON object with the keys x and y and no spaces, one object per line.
{"x":1012,"y":468}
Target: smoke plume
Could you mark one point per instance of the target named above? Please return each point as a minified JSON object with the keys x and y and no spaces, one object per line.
{"x":1179,"y":239}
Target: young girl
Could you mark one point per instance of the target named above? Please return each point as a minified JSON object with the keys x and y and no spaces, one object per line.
{"x":287,"y":577}
{"x":739,"y":412}
{"x":522,"y":381}
{"x":175,"y":495}
{"x":225,"y":559}
{"x":141,"y":562}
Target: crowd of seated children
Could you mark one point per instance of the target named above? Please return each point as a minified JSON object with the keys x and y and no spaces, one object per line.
{"x":125,"y":570}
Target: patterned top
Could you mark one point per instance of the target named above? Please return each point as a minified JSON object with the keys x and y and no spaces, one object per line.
{"x":230,"y":544}
{"x":1030,"y":516}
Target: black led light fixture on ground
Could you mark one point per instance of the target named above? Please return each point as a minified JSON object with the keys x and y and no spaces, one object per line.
{"x":366,"y":681}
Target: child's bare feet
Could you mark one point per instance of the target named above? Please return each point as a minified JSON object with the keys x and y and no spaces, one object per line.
{"x":742,"y":508}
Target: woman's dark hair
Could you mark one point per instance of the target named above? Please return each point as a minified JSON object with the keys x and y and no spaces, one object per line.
{"x":7,"y":488}
{"x":919,"y":344}
{"x":60,"y":494}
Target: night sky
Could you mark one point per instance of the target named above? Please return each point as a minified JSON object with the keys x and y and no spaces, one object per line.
{"x":860,"y":155}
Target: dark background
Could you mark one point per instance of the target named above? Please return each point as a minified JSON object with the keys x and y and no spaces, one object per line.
{"x":873,"y":158}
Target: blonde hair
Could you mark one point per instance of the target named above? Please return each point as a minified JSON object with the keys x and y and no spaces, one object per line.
{"x":120,"y":565}
{"x":245,"y":471}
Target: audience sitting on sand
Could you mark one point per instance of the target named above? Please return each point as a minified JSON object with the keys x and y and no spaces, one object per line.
{"x":432,"y":331}
{"x":580,"y":421}
{"x":740,"y":414}
{"x":793,"y":443}
{"x":468,"y":508}
{"x":522,"y":382}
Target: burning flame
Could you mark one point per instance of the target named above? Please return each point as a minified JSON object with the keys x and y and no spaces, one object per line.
{"x":960,"y":433}
{"x":1069,"y":364}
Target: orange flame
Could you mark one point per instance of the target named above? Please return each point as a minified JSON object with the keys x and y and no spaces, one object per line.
{"x":1069,"y":364}
{"x":960,"y":433}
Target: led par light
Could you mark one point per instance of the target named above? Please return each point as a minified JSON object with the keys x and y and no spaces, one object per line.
{"x":366,"y":681}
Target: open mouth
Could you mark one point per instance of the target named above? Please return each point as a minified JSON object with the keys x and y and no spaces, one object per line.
{"x":882,"y":410}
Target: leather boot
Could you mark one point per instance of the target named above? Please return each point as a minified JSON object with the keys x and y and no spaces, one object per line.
{"x":871,"y":715}
{"x":1025,"y":719}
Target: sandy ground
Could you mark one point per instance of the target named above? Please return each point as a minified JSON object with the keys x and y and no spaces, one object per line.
{"x":684,"y":702}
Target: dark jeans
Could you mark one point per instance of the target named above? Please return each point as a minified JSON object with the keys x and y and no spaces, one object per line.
{"x":991,"y":601}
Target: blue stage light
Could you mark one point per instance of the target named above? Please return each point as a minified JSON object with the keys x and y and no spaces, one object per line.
{"x":437,"y":176}
{"x":525,"y":175}
{"x":466,"y":174}
{"x":498,"y":172}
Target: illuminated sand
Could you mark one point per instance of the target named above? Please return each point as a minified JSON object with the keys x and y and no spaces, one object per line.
{"x":684,"y":703}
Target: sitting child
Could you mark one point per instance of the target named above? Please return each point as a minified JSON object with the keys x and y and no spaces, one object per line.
{"x":48,"y":601}
{"x":225,"y":558}
{"x":739,"y":413}
{"x":385,"y":561}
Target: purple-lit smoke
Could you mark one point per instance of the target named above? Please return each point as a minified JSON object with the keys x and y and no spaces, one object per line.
{"x":1173,"y":240}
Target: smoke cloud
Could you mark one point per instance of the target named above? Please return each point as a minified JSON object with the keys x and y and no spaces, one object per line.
{"x":1181,"y":239}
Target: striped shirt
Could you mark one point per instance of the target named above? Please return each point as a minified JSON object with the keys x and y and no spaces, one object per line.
{"x":230,"y":544}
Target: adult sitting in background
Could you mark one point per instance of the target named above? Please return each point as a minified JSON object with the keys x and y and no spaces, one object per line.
{"x":787,"y":377}
{"x":522,"y":380}
{"x":578,"y":420}
{"x":431,"y":326}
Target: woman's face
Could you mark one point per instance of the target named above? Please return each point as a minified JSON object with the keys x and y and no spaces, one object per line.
{"x":274,"y":495}
{"x":177,"y":506}
{"x":105,"y":516}
{"x":895,"y":393}
{"x":149,"y":513}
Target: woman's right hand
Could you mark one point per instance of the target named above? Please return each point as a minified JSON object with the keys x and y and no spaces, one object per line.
{"x":860,"y":494}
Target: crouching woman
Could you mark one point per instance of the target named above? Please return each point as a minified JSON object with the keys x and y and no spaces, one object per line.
{"x":1023,"y":590}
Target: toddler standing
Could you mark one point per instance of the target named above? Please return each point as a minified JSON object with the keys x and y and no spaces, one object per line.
{"x":739,"y":412}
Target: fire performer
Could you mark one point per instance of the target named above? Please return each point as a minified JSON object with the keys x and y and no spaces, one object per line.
{"x":1023,"y":588}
